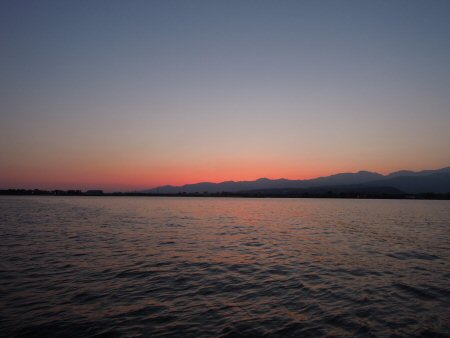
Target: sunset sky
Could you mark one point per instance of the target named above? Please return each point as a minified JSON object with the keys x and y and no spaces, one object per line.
{"x":134,"y":94}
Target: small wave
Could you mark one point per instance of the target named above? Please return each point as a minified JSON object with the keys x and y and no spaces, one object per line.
{"x":415,"y":291}
{"x":167,"y":243}
{"x":413,"y":255}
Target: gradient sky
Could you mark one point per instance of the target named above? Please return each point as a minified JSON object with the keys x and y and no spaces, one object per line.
{"x":134,"y":94}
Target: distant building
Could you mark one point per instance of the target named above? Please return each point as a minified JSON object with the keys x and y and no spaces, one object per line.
{"x":94,"y":192}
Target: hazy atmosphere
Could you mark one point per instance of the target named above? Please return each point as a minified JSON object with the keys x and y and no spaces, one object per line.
{"x":225,"y":169}
{"x":136,"y":94}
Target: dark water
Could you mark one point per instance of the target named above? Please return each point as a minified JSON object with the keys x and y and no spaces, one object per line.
{"x":199,"y":267}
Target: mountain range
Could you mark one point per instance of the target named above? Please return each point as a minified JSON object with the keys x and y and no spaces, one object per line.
{"x":404,"y":181}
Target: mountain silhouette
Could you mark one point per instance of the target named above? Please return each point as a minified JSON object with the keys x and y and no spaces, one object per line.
{"x":426,"y":181}
{"x":356,"y":189}
{"x":417,"y":184}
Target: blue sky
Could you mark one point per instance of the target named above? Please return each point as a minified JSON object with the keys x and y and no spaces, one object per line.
{"x":126,"y":94}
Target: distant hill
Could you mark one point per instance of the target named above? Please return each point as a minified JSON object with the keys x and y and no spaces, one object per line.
{"x":228,"y":186}
{"x":434,"y":181}
{"x":358,"y":189}
{"x":417,"y":184}
{"x":343,"y":179}
{"x":418,"y":173}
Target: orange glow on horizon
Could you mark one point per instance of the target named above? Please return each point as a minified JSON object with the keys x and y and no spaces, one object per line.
{"x":129,"y":177}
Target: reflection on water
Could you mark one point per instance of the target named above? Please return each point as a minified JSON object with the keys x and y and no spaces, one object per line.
{"x":190,"y":267}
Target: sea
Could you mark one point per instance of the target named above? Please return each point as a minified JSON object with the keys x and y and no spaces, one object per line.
{"x":223,"y":267}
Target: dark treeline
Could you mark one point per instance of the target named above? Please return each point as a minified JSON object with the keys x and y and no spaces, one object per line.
{"x":51,"y":192}
{"x":327,"y":194}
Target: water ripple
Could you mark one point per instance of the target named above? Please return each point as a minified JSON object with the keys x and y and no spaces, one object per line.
{"x":159,"y":267}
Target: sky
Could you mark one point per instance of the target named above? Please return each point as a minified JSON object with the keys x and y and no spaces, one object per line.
{"x":124,"y":95}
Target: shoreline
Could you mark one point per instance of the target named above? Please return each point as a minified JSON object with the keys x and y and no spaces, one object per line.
{"x":329,"y":195}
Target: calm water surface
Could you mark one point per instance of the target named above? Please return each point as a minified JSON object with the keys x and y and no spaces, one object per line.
{"x":201,"y":267}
